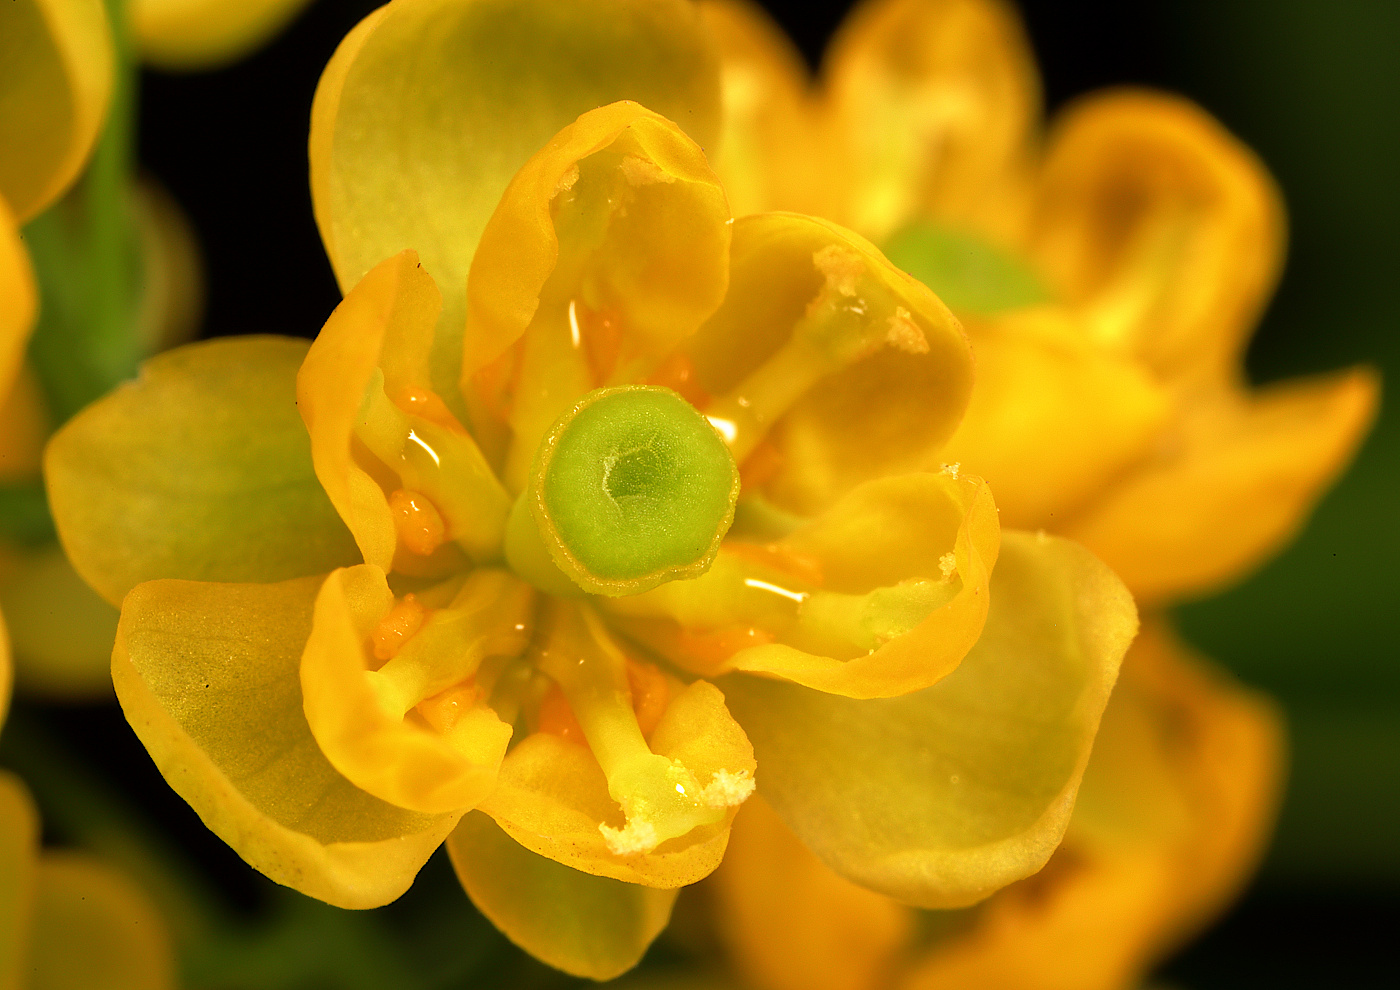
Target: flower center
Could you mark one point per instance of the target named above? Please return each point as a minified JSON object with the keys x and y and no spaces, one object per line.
{"x":630,"y":489}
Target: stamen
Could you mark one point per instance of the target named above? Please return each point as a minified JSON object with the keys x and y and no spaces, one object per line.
{"x":417,"y":521}
{"x":443,"y":710}
{"x":397,"y":627}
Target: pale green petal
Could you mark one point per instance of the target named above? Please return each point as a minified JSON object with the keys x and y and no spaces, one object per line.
{"x":941,"y":797}
{"x":583,"y":924}
{"x":60,"y":629}
{"x":57,"y":79}
{"x":94,"y":928}
{"x":208,"y":675}
{"x":430,"y":107}
{"x":206,"y":34}
{"x":201,"y":469}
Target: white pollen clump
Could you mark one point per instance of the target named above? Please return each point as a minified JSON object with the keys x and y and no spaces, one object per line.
{"x":727,"y":789}
{"x":567,"y":180}
{"x":640,"y":172}
{"x":637,"y":836}
{"x":951,"y":470}
{"x":840,"y":266}
{"x":948,"y":563}
{"x":905,"y":334}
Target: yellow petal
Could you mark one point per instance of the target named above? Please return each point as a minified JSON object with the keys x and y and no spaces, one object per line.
{"x":19,"y":303}
{"x":1173,"y":814}
{"x":872,"y":391}
{"x":416,"y":92}
{"x":609,"y":248}
{"x":206,"y":34}
{"x":968,"y":785}
{"x":200,"y":469}
{"x":381,"y":751}
{"x":770,"y":154}
{"x":207,"y":674}
{"x":61,"y":629}
{"x":93,"y":927}
{"x":589,"y":926}
{"x":552,"y":795}
{"x":24,"y":429}
{"x":58,"y":78}
{"x":933,"y":104}
{"x":790,"y":923}
{"x":902,"y":565}
{"x":1235,"y":481}
{"x":1164,"y":228}
{"x":1054,"y":418}
{"x":19,"y":850}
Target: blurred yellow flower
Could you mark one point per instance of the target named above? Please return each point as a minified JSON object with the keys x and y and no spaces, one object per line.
{"x":1109,"y":275}
{"x":535,"y":627}
{"x":180,"y":35}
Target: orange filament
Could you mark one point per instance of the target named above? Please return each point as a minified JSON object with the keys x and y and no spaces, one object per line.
{"x":442,"y":710}
{"x":677,"y":373}
{"x":429,"y":405}
{"x":417,"y":521}
{"x":777,"y":557}
{"x":761,"y":466}
{"x":557,"y":718}
{"x":601,"y":331}
{"x":650,"y":695}
{"x":397,"y":627}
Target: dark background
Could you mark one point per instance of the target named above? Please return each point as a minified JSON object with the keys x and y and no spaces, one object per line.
{"x":1315,"y":88}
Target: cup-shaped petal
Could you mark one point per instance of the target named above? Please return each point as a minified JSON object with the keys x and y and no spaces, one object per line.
{"x":933,"y":105}
{"x":206,"y":34}
{"x":552,"y":795}
{"x":19,"y":300}
{"x":881,"y":595}
{"x":381,"y":749}
{"x":608,"y":249}
{"x":1162,"y":226}
{"x":207,"y":675}
{"x":941,"y":797}
{"x":826,"y":363}
{"x":421,"y":88}
{"x":200,"y":469}
{"x":586,"y":925}
{"x":53,"y":97}
{"x":1235,"y":482}
{"x":1054,"y":418}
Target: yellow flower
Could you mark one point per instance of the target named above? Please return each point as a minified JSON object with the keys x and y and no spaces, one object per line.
{"x":181,"y":35}
{"x":1108,"y":276}
{"x":353,"y":627}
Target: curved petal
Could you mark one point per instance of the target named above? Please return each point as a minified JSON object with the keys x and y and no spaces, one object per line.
{"x":61,"y":630}
{"x":1237,"y":482}
{"x":207,"y":675}
{"x":172,"y":270}
{"x":19,"y":856}
{"x":770,"y":154}
{"x":206,"y":34}
{"x":1173,"y":813}
{"x":200,"y":469}
{"x":1054,"y":419}
{"x":1162,"y":226}
{"x":25,"y":426}
{"x":789,"y":923}
{"x":933,"y":103}
{"x":415,"y":93}
{"x":608,"y":249}
{"x":58,"y":78}
{"x":93,"y":927}
{"x":586,"y":925}
{"x":827,"y":363}
{"x":890,"y":596}
{"x":19,"y":300}
{"x":552,"y":796}
{"x":941,"y":797}
{"x":397,"y":759}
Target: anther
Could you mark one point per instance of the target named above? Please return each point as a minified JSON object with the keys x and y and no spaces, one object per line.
{"x":419,"y":524}
{"x":397,"y":627}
